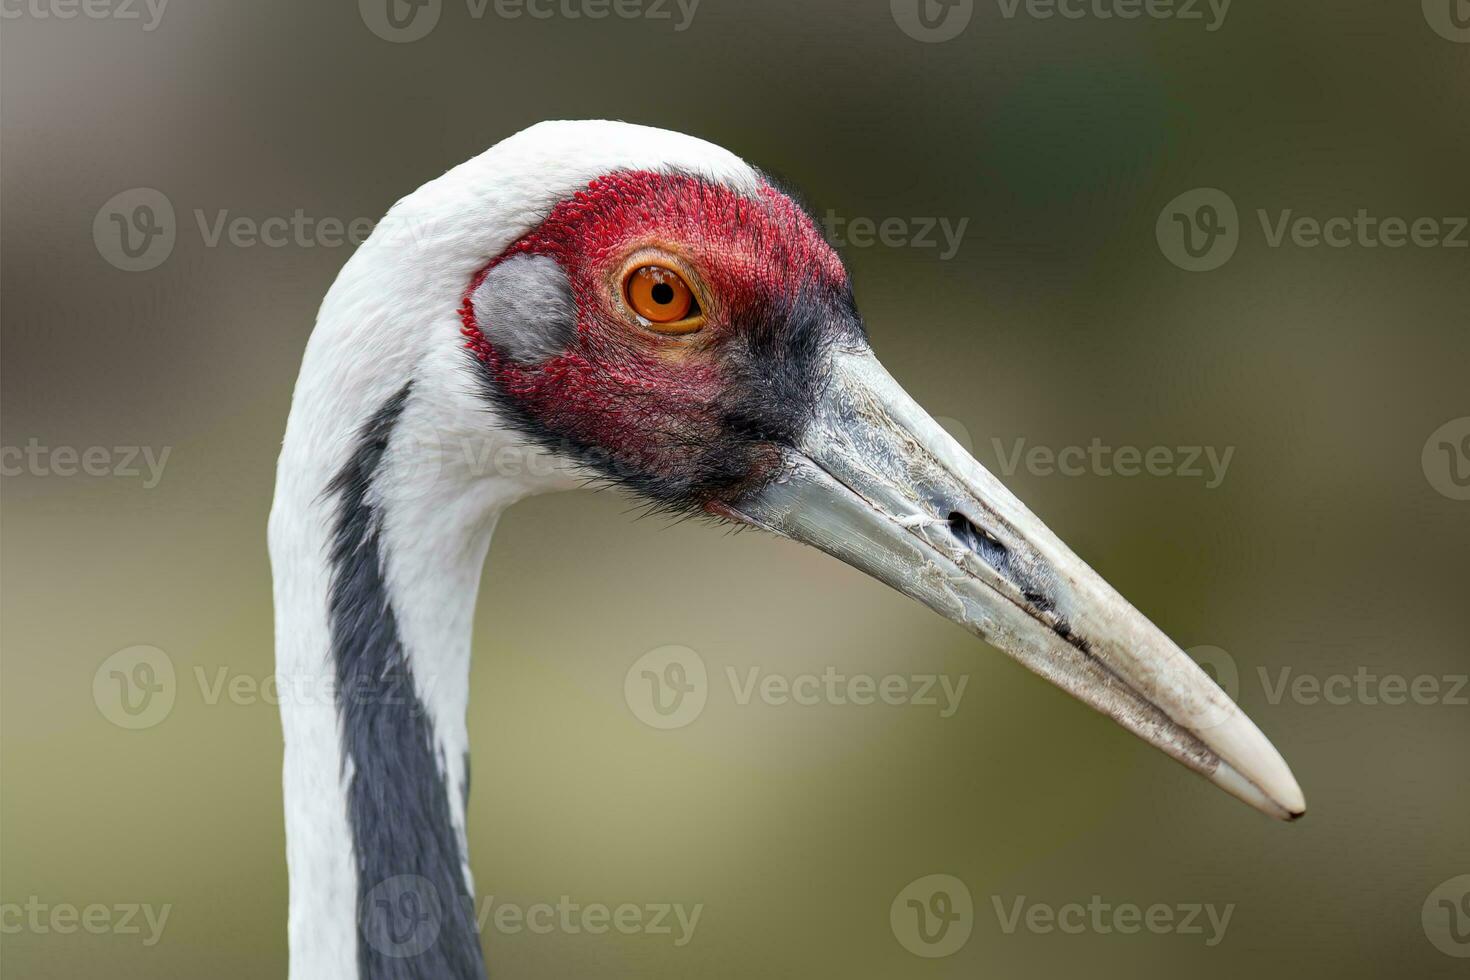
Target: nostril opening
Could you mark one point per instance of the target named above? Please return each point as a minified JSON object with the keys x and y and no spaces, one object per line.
{"x":961,"y":526}
{"x":991,"y":551}
{"x":975,"y":539}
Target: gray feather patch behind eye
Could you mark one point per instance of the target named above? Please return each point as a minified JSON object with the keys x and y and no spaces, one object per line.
{"x":525,"y":308}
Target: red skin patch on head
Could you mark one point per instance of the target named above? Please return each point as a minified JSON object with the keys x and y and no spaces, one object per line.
{"x":619,"y":386}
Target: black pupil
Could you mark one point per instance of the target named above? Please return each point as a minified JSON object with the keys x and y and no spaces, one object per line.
{"x":663,"y":293}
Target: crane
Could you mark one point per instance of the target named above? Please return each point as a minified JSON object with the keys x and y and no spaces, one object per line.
{"x":627,"y":305}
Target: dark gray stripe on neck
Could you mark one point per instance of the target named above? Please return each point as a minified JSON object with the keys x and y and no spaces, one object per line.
{"x":415,"y":913}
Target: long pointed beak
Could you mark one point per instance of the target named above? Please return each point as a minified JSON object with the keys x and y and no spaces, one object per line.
{"x":879,"y":484}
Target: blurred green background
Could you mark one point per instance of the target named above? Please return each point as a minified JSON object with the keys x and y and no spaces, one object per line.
{"x":1326,"y":550}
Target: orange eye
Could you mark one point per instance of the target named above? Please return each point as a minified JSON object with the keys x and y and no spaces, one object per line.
{"x":662,"y":298}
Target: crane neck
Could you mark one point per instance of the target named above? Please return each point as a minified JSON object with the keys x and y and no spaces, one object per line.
{"x":379,"y":533}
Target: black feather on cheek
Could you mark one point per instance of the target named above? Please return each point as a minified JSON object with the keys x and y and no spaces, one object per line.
{"x":775,"y":370}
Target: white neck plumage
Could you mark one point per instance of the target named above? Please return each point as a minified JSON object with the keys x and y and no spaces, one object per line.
{"x":381,"y":521}
{"x":375,"y":589}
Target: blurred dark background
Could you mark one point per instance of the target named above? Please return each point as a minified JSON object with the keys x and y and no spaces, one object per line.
{"x":1334,"y":544}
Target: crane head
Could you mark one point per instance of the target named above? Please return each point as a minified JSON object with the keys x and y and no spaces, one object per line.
{"x":669,"y":332}
{"x":692,"y":337}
